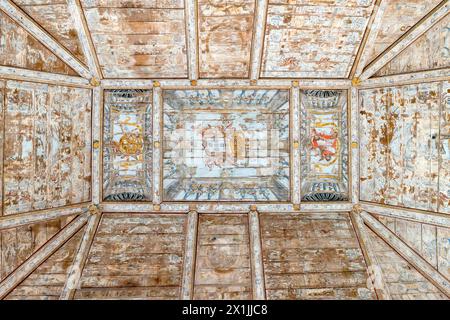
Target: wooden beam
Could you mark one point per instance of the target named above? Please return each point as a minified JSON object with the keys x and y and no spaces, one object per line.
{"x":157,"y":144}
{"x":259,"y":290}
{"x":76,"y":269}
{"x":295,"y":145}
{"x":374,"y":26}
{"x":436,"y":219}
{"x":192,"y":38}
{"x":258,"y":38}
{"x":97,"y":107}
{"x":407,"y":78}
{"x":374,"y":271}
{"x":42,"y":77}
{"x":190,"y":251}
{"x":407,"y":253}
{"x":408,"y":38}
{"x":42,"y":254}
{"x":23,"y":219}
{"x":262,"y":83}
{"x":85,"y":37}
{"x":18,"y":15}
{"x":354,"y":145}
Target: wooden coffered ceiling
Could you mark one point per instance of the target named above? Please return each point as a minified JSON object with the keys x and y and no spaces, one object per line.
{"x":235,"y":39}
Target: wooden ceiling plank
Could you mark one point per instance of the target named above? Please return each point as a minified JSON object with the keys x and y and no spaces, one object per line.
{"x":187,"y":287}
{"x":97,"y":106}
{"x":85,"y":38}
{"x":41,"y":76}
{"x":407,"y":39}
{"x":17,"y":14}
{"x":25,"y":269}
{"x":259,"y":290}
{"x":258,"y":39}
{"x":369,"y":41}
{"x":73,"y":280}
{"x":407,"y":253}
{"x":192,"y":38}
{"x":432,"y":218}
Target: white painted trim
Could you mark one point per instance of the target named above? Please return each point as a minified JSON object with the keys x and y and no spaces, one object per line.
{"x":190,"y":252}
{"x":96,"y":136}
{"x":354,"y":144}
{"x":258,"y":40}
{"x":40,"y":76}
{"x":436,"y":219}
{"x":15,"y":13}
{"x":157,"y":150}
{"x":295,"y":166}
{"x":258,"y":284}
{"x":73,"y":279}
{"x":192,"y":38}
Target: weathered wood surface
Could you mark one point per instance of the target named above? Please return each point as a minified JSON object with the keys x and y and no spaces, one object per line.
{"x":141,"y":39}
{"x":431,"y":242}
{"x":47,"y":146}
{"x":19,"y":49}
{"x":225,"y":38}
{"x":223,"y":269}
{"x":18,"y":244}
{"x":135,"y":256}
{"x":313,"y":256}
{"x":399,"y":148}
{"x":444,"y":148}
{"x":402,"y":279}
{"x":41,"y":255}
{"x":48,"y":280}
{"x":399,"y":16}
{"x":313,"y":39}
{"x":430,"y":51}
{"x":190,"y":250}
{"x":55,"y":17}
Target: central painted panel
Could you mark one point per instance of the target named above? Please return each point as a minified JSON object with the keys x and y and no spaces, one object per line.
{"x":226,"y":145}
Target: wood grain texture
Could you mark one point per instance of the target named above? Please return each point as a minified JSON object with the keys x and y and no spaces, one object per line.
{"x":135,"y":256}
{"x":399,"y":16}
{"x":430,"y":51}
{"x":47,"y":281}
{"x":223,"y":268}
{"x":403,"y":281}
{"x":313,"y":39}
{"x":18,"y":244}
{"x":141,"y":39}
{"x":55,"y":17}
{"x":313,"y":256}
{"x":399,"y":145}
{"x":47,"y":146}
{"x":19,"y":49}
{"x":225,"y":37}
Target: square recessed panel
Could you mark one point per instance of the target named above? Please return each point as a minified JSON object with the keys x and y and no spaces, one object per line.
{"x":127,"y":145}
{"x":324,"y":145}
{"x":226,"y":145}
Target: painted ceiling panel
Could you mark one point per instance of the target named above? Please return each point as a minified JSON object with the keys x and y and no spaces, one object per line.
{"x":430,"y":51}
{"x":313,"y":39}
{"x":127,"y":145}
{"x":55,"y":17}
{"x":313,"y":256}
{"x":324,"y":145}
{"x":146,"y":40}
{"x":399,"y":16}
{"x":47,"y":146}
{"x":226,"y":145}
{"x":225,"y":37}
{"x":19,"y":49}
